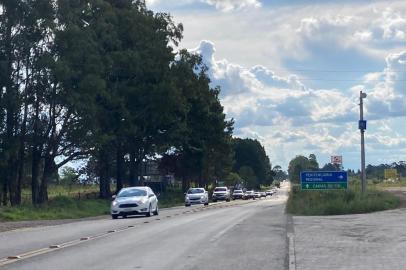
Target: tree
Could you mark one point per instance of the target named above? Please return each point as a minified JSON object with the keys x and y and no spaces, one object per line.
{"x":248,"y":176}
{"x":313,"y":164}
{"x":330,"y":167}
{"x":251,"y":153}
{"x":202,"y":147}
{"x":279,"y":174}
{"x":69,"y":176}
{"x":233,"y":179}
{"x":297,"y":165}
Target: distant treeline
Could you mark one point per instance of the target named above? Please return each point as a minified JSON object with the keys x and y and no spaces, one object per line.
{"x":301,"y":163}
{"x":377,"y":171}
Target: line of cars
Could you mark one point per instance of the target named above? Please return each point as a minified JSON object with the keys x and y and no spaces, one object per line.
{"x":201,"y":196}
{"x":251,"y":194}
{"x":143,"y":201}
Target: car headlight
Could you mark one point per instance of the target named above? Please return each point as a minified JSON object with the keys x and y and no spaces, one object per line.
{"x":202,"y":197}
{"x":114,"y":203}
{"x":187,"y":198}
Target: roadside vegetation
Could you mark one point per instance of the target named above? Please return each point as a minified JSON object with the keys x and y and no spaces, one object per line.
{"x":60,"y":207}
{"x":389,"y":184}
{"x":339,"y":202}
{"x":74,"y":202}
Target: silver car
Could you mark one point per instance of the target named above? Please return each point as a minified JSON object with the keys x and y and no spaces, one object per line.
{"x":196,"y":196}
{"x":134,"y":201}
{"x":221,"y":194}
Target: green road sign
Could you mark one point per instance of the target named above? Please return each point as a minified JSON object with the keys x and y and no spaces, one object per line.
{"x":319,"y":186}
{"x":320,"y":180}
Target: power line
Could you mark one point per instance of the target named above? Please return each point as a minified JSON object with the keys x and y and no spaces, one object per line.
{"x":334,"y":71}
{"x":345,"y":80}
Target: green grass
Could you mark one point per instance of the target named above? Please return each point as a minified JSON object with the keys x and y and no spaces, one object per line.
{"x":60,"y":207}
{"x":171,"y":198}
{"x":338,"y":202}
{"x":71,"y":191}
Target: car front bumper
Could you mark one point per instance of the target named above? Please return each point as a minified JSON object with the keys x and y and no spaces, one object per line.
{"x":220,"y":197}
{"x":201,"y":201}
{"x":141,"y":209}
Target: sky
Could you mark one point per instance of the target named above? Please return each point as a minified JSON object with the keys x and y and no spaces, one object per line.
{"x":291,"y":72}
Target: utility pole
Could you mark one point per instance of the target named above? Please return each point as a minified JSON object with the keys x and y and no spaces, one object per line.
{"x":362,"y":125}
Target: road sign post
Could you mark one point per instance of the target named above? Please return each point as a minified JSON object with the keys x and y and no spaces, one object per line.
{"x":362,"y":125}
{"x":321,"y":180}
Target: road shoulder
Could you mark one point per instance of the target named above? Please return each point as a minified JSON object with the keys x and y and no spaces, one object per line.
{"x":362,"y":241}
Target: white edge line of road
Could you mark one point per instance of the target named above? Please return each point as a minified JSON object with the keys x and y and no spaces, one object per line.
{"x":292,"y":253}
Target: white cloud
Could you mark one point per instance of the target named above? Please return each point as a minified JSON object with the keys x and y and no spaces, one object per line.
{"x":291,"y":75}
{"x":229,"y":5}
{"x":223,"y":5}
{"x":295,"y":115}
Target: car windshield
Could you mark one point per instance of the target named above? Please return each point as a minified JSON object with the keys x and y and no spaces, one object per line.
{"x":195,"y":191}
{"x":134,"y":192}
{"x":237,"y":191}
{"x":220,"y":189}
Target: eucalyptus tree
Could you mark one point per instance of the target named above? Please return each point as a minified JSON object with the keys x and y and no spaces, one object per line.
{"x":202,"y":150}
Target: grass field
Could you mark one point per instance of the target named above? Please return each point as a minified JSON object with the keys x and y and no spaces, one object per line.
{"x":64,"y":203}
{"x":350,"y":201}
{"x":60,"y":207}
{"x":382,"y":184}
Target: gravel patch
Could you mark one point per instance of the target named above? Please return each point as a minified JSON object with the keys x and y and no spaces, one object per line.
{"x":15,"y":225}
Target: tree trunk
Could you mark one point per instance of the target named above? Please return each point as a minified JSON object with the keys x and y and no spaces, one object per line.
{"x":133,"y":178}
{"x":21,"y":154}
{"x":49,"y":169}
{"x":4,"y":198}
{"x":36,"y":160}
{"x":119,"y":172}
{"x":104,"y":175}
{"x":11,"y":100}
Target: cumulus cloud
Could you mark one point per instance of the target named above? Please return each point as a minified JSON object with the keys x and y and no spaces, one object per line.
{"x":261,"y":100}
{"x":258,"y":96}
{"x":291,"y":76}
{"x":223,"y":5}
{"x":229,"y":5}
{"x":388,"y":98}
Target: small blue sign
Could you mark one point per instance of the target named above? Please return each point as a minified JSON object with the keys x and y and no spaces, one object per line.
{"x":324,"y":180}
{"x":362,"y":124}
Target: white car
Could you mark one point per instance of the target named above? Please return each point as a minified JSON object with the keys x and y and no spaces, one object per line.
{"x":221,"y":194}
{"x":196,"y":196}
{"x":134,"y":201}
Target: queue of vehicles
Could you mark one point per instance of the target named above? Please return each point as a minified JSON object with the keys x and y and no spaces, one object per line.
{"x":143,"y":201}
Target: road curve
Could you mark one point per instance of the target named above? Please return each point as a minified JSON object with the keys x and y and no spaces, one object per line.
{"x":236,"y":235}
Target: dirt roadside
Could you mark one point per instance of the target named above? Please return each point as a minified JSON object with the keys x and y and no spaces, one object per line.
{"x":398,"y":192}
{"x":15,"y":225}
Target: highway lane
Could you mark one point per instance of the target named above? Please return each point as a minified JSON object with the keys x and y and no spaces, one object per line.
{"x":237,"y":235}
{"x":28,"y":239}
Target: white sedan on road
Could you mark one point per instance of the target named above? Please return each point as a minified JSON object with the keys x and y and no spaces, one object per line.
{"x":196,"y":196}
{"x":134,"y":201}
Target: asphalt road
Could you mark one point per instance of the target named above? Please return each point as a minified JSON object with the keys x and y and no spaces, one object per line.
{"x":235,"y":235}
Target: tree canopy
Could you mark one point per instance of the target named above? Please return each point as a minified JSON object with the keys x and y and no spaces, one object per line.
{"x":103,"y":81}
{"x":251,"y":154}
{"x":301,"y":163}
